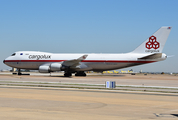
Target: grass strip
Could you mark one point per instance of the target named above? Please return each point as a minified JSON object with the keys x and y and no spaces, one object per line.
{"x":87,"y":88}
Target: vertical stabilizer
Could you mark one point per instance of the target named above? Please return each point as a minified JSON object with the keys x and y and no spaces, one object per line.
{"x":155,"y":43}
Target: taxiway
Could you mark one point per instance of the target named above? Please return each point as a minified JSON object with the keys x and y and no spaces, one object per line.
{"x":45,"y":97}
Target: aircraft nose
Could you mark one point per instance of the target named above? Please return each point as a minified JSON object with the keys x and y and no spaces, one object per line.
{"x":4,"y":61}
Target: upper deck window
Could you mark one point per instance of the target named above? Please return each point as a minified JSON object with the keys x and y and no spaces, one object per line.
{"x":13,"y":54}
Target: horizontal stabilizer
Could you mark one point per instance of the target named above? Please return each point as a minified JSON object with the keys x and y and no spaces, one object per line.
{"x":152,"y":56}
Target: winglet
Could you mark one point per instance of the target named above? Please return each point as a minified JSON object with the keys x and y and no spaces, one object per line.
{"x":82,"y":57}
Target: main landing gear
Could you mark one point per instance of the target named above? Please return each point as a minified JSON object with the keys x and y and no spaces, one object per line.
{"x":80,"y":73}
{"x":67,"y":74}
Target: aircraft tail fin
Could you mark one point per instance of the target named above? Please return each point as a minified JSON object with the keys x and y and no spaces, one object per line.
{"x":155,"y":43}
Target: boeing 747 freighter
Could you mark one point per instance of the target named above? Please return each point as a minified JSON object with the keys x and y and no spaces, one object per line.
{"x":148,"y":52}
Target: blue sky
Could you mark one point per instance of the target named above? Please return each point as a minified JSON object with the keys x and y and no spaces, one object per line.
{"x":93,"y":26}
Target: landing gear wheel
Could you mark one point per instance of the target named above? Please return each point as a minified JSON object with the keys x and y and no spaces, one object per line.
{"x":67,"y":74}
{"x":19,"y":72}
{"x":81,"y":73}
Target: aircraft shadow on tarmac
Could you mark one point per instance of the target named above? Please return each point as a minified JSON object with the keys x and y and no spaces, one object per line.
{"x":176,"y":115}
{"x":87,"y":76}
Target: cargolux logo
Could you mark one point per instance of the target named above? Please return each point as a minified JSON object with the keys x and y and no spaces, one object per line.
{"x":39,"y":57}
{"x":152,"y":43}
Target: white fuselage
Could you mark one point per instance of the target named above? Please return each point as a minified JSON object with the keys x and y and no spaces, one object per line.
{"x":96,"y":62}
{"x":148,"y":52}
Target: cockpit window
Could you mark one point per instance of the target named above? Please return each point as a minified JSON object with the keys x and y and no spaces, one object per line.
{"x":13,"y":54}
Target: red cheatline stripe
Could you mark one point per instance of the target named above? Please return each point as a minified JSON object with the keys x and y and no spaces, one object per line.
{"x":116,"y":61}
{"x":34,"y":60}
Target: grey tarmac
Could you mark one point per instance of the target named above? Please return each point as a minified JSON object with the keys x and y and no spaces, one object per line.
{"x":54,"y":103}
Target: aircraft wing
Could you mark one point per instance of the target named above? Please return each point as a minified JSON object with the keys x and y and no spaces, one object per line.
{"x":74,"y":62}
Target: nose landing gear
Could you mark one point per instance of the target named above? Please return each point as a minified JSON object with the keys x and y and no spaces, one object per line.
{"x":19,"y":72}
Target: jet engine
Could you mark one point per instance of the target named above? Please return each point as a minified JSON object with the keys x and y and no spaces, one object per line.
{"x":50,"y":68}
{"x":44,"y":69}
{"x":55,"y":67}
